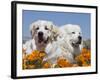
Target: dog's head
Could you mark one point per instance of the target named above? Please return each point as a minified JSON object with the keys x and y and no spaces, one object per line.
{"x":74,"y":34}
{"x":42,"y":30}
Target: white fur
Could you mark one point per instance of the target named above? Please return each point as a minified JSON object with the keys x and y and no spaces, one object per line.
{"x":63,"y":46}
{"x":47,"y":28}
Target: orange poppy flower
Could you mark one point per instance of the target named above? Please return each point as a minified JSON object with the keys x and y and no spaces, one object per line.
{"x":46,"y":65}
{"x":63,"y":63}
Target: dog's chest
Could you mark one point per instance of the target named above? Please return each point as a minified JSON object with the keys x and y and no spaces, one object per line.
{"x":40,"y":46}
{"x":76,"y":51}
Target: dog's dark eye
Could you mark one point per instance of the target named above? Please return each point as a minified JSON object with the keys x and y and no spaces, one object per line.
{"x":37,"y":28}
{"x":46,"y":28}
{"x":73,"y":32}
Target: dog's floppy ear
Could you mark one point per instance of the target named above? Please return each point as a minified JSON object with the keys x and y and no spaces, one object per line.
{"x":32,"y":29}
{"x":55,"y":32}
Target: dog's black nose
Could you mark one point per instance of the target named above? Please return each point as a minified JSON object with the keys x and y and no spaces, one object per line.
{"x":40,"y":33}
{"x":80,"y":38}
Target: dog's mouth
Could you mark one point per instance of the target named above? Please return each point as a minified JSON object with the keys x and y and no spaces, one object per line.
{"x":77,"y":43}
{"x":46,"y":41}
{"x":41,"y":39}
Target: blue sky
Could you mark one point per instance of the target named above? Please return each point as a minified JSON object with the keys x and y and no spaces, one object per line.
{"x":58,"y":18}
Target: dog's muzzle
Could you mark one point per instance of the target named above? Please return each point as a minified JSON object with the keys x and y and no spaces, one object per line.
{"x":40,"y":36}
{"x":41,"y":39}
{"x":79,"y":40}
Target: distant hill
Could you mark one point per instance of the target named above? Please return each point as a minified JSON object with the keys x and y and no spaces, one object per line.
{"x":25,"y":38}
{"x":87,"y":44}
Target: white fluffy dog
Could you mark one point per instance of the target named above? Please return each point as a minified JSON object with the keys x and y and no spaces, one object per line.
{"x":68,"y":44}
{"x":43,"y":32}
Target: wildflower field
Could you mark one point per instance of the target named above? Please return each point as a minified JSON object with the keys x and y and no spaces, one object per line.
{"x":35,"y":60}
